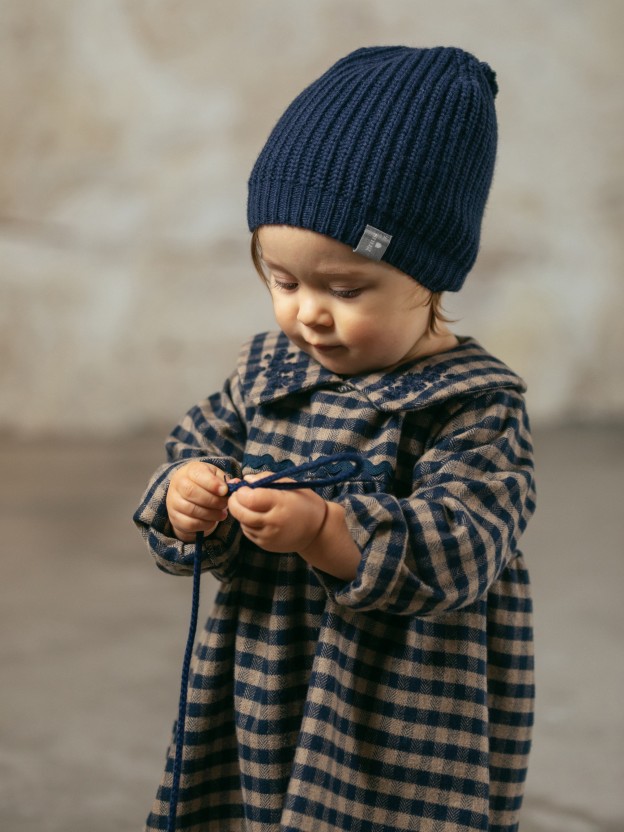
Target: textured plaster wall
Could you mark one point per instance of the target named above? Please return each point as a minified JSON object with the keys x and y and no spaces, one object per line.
{"x":128,"y":132}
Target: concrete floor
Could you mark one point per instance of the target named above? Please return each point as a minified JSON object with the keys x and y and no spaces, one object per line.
{"x":93,"y":636}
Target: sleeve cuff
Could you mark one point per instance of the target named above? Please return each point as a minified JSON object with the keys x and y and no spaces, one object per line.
{"x":381,"y":565}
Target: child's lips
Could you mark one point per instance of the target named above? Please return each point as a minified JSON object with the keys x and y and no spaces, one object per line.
{"x":325,"y":347}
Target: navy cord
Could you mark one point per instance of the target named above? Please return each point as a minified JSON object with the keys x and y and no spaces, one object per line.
{"x":186,"y":666}
{"x":269,"y":481}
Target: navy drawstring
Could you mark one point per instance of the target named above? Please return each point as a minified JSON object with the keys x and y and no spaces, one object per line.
{"x":270,"y":481}
{"x":186,"y":666}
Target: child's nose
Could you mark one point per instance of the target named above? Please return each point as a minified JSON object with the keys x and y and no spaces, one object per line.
{"x":312,"y":311}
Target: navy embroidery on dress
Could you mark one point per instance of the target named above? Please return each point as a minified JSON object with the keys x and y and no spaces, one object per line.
{"x":283,"y":370}
{"x":414,"y":382}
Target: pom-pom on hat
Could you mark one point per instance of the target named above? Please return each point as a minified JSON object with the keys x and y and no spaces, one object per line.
{"x":392,"y":152}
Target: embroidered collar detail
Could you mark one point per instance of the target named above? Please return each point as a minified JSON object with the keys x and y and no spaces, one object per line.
{"x":272,"y":368}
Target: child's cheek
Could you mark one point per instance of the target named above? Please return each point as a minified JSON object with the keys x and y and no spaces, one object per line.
{"x":360,"y":328}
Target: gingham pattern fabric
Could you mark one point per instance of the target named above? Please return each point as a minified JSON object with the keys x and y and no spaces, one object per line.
{"x":404,"y":699}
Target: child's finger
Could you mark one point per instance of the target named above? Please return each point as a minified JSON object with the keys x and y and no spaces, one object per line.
{"x":249,"y":520}
{"x":257,"y":499}
{"x":246,"y":515}
{"x":186,"y":529}
{"x":203,"y":476}
{"x":192,"y":491}
{"x":198,"y":512}
{"x":193,"y":518}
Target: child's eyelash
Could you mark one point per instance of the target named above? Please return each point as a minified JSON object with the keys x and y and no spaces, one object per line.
{"x":284,"y":285}
{"x":287,"y":286}
{"x":345,"y":293}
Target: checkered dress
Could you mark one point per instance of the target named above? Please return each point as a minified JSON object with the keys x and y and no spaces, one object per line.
{"x":404,"y":699}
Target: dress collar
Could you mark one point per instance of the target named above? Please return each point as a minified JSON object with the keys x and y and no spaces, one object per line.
{"x":274,"y":368}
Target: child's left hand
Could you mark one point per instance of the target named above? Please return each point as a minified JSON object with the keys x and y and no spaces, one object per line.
{"x":278,"y":521}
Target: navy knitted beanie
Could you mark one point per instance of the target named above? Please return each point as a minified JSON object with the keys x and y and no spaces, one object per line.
{"x":392,"y":152}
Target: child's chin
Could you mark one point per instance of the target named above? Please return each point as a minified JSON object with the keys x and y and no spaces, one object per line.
{"x":337,"y":361}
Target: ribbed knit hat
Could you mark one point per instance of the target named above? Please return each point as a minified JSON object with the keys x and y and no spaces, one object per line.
{"x":392,"y":152}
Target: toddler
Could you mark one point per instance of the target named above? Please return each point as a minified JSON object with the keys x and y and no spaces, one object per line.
{"x":368,"y":664}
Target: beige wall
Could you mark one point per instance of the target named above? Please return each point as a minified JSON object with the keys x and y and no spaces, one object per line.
{"x":128,"y":132}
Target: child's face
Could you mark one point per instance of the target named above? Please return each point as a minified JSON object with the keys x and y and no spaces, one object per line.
{"x":352,"y":314}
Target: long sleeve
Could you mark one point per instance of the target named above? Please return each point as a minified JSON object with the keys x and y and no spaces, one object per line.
{"x":214,"y":431}
{"x":442,"y":547}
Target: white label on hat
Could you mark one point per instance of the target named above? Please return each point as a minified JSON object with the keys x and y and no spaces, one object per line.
{"x":373,"y":243}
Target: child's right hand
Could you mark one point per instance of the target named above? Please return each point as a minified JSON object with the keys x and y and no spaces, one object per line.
{"x":196,"y":500}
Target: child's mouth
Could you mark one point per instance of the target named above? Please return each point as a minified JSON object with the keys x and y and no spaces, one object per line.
{"x":325,"y":347}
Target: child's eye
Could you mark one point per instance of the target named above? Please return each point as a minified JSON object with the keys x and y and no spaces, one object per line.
{"x":346,"y":293}
{"x":283,"y":285}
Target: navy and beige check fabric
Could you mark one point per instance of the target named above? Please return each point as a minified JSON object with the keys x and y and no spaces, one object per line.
{"x":404,"y":699}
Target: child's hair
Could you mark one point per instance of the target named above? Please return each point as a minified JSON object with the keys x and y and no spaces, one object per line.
{"x":434,"y":301}
{"x":391,"y":151}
